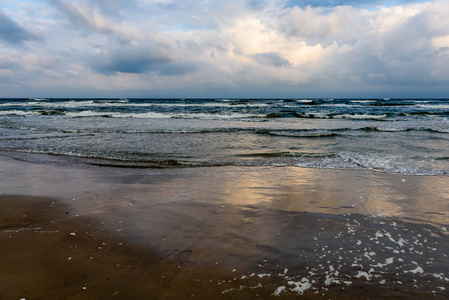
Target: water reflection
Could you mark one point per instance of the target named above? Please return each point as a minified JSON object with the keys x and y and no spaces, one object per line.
{"x":286,"y":188}
{"x":335,"y":226}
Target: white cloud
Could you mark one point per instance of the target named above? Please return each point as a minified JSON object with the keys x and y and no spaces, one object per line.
{"x":440,"y":42}
{"x":171,"y":47}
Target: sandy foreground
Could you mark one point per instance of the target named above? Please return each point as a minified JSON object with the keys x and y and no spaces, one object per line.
{"x":72,"y":231}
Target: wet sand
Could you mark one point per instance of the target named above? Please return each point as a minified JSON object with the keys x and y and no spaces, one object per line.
{"x":70,"y":231}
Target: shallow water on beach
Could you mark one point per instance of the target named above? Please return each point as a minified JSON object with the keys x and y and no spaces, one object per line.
{"x":274,"y":231}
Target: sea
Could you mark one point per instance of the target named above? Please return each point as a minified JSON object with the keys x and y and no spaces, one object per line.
{"x":397,"y":136}
{"x":248,"y":185}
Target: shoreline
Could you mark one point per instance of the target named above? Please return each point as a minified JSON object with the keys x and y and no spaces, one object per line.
{"x":230,"y":233}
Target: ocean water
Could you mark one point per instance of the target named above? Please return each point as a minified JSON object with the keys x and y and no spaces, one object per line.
{"x":398,"y":136}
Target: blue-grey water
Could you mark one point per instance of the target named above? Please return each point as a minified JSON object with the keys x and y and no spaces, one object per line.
{"x":404,"y":136}
{"x":365,"y":236}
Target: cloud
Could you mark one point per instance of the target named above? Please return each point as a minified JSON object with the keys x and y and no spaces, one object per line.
{"x":6,"y":62}
{"x":128,"y":48}
{"x":177,"y":68}
{"x":354,"y":3}
{"x":12,"y":32}
{"x":217,"y":48}
{"x":84,"y":16}
{"x":114,"y":8}
{"x":130,"y":59}
{"x":141,"y":59}
{"x":271,"y":58}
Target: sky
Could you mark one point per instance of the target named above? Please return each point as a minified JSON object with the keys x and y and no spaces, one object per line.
{"x":224,"y":49}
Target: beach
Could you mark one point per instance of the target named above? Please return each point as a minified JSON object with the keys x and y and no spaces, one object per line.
{"x":71,"y":230}
{"x":224,"y":150}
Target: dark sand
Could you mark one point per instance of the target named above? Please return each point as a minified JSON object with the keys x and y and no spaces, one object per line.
{"x":226,"y":233}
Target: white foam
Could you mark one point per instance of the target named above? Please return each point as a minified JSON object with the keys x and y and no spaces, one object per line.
{"x":363,"y":101}
{"x":222,"y":104}
{"x":393,"y":164}
{"x":440,"y":276}
{"x":123,"y":103}
{"x":227,"y":290}
{"x":155,"y":115}
{"x":300,"y":286}
{"x":279,"y":290}
{"x":434,"y":106}
{"x":360,"y":117}
{"x":329,"y":280}
{"x":363,"y":274}
{"x":302,"y":133}
{"x":417,"y":270}
{"x":388,"y":261}
{"x":19,"y":113}
{"x":379,"y":234}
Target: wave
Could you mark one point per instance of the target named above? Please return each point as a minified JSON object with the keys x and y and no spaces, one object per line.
{"x":341,"y":116}
{"x":424,"y":113}
{"x":62,"y":104}
{"x":363,"y":101}
{"x":19,"y":113}
{"x":134,"y":160}
{"x":405,"y":129}
{"x":294,"y":133}
{"x":434,"y":106}
{"x":127,"y":103}
{"x":90,"y":113}
{"x":392,"y":104}
{"x":111,"y":101}
{"x":302,"y":133}
{"x":147,"y":115}
{"x":154,"y":164}
{"x":215,"y":116}
{"x":157,"y":131}
{"x":439,"y":130}
{"x":360,"y":117}
{"x":386,"y":129}
{"x":392,"y":164}
{"x":281,"y":114}
{"x":51,"y":112}
{"x":196,"y":114}
{"x":287,"y":154}
{"x":214,"y":104}
{"x":392,"y":129}
{"x":32,"y":113}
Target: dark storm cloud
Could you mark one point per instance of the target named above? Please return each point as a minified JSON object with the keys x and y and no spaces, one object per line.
{"x":129,"y":60}
{"x":137,"y":60}
{"x":12,"y":32}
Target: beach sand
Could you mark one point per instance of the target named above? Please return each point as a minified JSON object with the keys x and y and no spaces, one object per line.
{"x":72,"y":231}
